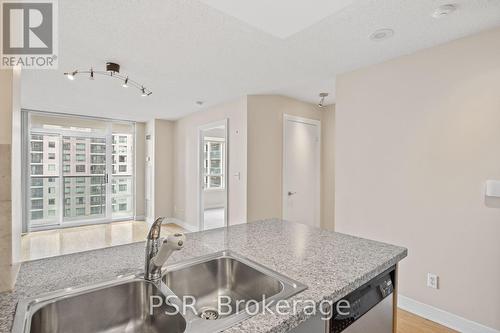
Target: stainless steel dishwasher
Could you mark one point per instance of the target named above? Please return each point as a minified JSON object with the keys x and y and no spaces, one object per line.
{"x":370,"y":307}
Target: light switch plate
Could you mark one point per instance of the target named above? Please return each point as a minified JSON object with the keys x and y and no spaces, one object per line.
{"x":493,"y":188}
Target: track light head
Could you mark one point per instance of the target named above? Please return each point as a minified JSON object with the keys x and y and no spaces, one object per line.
{"x":125,"y":83}
{"x":143,"y":90}
{"x":71,"y":75}
{"x":91,"y":74}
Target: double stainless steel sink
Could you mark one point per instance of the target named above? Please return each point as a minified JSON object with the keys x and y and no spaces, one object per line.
{"x":132,"y":304}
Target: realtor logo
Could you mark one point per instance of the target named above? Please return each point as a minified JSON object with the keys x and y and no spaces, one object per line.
{"x":28,"y":35}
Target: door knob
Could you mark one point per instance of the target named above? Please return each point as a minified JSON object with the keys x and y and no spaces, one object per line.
{"x":291,"y":193}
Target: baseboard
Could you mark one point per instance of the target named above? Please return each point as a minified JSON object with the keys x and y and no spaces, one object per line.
{"x":442,"y":317}
{"x":183,"y":224}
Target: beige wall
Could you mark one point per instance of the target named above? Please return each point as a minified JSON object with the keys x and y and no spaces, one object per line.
{"x":416,"y":139}
{"x":186,"y":161}
{"x":265,"y":143}
{"x":328,"y":167}
{"x":6,"y":102}
{"x":163,"y":159}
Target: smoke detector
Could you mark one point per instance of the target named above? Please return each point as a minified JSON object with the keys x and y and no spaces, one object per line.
{"x":444,"y":10}
{"x":382,"y":34}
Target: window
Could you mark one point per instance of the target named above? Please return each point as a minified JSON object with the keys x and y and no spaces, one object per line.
{"x":37,"y":192}
{"x":82,"y":172}
{"x":37,"y":204}
{"x":97,"y":169}
{"x":98,"y":159}
{"x":97,"y":189}
{"x":37,"y":214}
{"x":36,"y":158}
{"x":95,"y":200}
{"x":36,"y":182}
{"x":36,"y":146}
{"x":98,"y":149}
{"x":37,"y":169}
{"x":97,"y":180}
{"x":96,"y":210}
{"x":214,"y":164}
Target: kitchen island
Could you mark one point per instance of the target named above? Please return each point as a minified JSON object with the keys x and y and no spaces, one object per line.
{"x":330,"y":264}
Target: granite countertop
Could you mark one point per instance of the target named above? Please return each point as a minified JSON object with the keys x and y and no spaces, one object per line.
{"x":329,"y":263}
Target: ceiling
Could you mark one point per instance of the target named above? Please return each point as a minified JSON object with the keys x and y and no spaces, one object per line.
{"x":217,"y":50}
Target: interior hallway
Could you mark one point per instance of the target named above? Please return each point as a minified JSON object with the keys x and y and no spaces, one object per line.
{"x":50,"y":243}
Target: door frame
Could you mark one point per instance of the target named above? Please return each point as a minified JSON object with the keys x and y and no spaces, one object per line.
{"x":284,"y":196}
{"x":201,"y":158}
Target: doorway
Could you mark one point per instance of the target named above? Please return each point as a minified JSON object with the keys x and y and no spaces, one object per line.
{"x":301,"y":170}
{"x":213,"y":175}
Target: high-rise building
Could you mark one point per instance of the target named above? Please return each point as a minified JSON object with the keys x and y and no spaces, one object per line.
{"x":83,"y":163}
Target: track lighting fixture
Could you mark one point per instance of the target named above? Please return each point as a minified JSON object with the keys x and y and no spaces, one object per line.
{"x":322,"y":97}
{"x":113,"y":71}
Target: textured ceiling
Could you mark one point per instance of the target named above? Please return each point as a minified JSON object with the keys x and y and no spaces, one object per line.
{"x":185,"y":50}
{"x":280,"y":18}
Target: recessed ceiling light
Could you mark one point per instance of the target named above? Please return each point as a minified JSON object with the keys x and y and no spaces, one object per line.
{"x":444,"y":10}
{"x":382,"y":34}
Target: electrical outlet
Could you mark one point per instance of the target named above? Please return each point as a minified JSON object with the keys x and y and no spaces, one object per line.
{"x":432,"y":280}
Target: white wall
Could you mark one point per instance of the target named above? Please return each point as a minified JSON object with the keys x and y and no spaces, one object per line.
{"x":416,"y":139}
{"x":186,"y":182}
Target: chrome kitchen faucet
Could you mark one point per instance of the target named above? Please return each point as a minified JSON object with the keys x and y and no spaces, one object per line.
{"x":157,"y":253}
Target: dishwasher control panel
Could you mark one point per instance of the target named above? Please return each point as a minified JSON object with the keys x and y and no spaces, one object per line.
{"x":352,"y":307}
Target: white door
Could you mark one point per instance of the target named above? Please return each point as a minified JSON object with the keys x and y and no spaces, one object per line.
{"x":301,"y":170}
